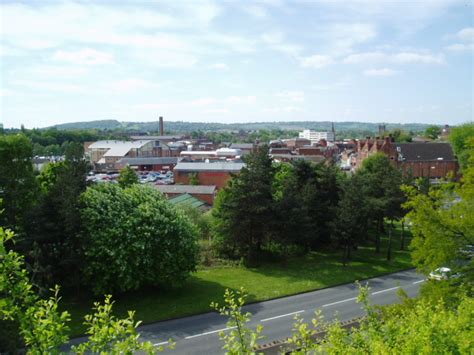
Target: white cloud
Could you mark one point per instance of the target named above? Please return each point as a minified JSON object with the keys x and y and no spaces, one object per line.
{"x":341,"y":38}
{"x":87,"y":56}
{"x":380,"y":72}
{"x":219,"y":66}
{"x":50,"y":86}
{"x":295,"y":96}
{"x":273,"y":37}
{"x":316,"y":61}
{"x":130,"y":85}
{"x":460,"y":47}
{"x":410,"y":57}
{"x":362,"y":58}
{"x":216,"y":111}
{"x":256,"y":11}
{"x":283,"y":109}
{"x":466,"y":34}
{"x":395,"y":58}
{"x":50,"y":71}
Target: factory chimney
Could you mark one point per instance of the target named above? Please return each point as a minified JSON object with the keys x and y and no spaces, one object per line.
{"x":162,"y":128}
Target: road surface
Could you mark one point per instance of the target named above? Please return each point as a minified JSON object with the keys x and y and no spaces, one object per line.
{"x":200,"y":334}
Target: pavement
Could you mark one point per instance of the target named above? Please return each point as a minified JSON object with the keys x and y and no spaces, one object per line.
{"x":199,"y":334}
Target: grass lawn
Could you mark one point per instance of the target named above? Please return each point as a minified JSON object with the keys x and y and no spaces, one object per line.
{"x":314,"y":271}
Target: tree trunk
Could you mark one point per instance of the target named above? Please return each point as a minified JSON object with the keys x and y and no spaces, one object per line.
{"x":377,"y":236}
{"x":389,"y":249}
{"x":344,"y":255}
{"x":349,"y":247}
{"x":402,"y":236}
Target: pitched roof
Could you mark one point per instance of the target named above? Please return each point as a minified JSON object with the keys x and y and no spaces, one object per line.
{"x":187,"y":189}
{"x":241,"y":145}
{"x":149,"y":161}
{"x":217,"y":166}
{"x":188,"y":200}
{"x":425,"y":151}
{"x":118,"y":148}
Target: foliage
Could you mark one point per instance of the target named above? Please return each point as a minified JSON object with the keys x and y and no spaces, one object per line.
{"x":127,"y":177}
{"x":52,"y":242}
{"x":240,"y":339}
{"x":18,"y":187}
{"x":193,"y":179}
{"x":242,"y":206}
{"x":401,"y":136}
{"x":433,"y":132}
{"x":42,"y":327}
{"x":133,"y":237}
{"x":461,"y":138}
{"x":381,"y":183}
{"x":350,"y":224}
{"x":109,"y":335}
{"x":443,"y":225}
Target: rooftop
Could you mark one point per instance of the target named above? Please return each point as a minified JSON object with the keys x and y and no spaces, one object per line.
{"x":211,"y":166}
{"x":426,"y":151}
{"x":149,"y":161}
{"x":191,"y":201}
{"x":118,"y":148}
{"x":187,"y":189}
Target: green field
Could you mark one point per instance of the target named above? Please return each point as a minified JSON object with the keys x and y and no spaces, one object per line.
{"x":270,"y":280}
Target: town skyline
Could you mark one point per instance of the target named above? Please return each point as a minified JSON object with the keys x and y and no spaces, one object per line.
{"x":260,"y":61}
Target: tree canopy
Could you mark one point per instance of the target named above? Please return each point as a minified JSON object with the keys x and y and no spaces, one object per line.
{"x":134,"y":237}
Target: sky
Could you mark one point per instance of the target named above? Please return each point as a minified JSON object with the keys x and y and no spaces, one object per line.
{"x":236,"y":61}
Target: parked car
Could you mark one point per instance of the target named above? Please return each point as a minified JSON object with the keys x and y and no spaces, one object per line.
{"x":442,"y":273}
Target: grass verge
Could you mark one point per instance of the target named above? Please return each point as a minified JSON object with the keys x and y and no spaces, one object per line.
{"x":311,"y":272}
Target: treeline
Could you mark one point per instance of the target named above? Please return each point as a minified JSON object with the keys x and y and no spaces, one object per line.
{"x":287,"y":208}
{"x":54,"y":142}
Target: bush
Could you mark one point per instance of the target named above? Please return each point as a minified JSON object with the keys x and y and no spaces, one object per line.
{"x":134,"y":237}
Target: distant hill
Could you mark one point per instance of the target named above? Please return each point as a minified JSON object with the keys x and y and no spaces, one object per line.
{"x":99,"y":124}
{"x":181,"y":126}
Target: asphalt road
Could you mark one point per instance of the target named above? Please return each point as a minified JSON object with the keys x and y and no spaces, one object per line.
{"x":199,"y":334}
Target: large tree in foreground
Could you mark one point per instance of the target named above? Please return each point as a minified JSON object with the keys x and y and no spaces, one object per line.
{"x":18,"y":187}
{"x":244,"y":209}
{"x":134,"y":237}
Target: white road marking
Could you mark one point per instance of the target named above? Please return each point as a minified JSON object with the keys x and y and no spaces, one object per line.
{"x":207,"y":333}
{"x":417,"y":282}
{"x":283,"y":315}
{"x":162,"y":343}
{"x":332,"y":304}
{"x":386,"y":290}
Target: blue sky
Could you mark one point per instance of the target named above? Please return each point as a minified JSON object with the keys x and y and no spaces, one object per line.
{"x":236,"y":61}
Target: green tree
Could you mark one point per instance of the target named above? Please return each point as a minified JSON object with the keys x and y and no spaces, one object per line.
{"x":350,"y":223}
{"x":381,"y":183}
{"x":111,"y":335}
{"x":433,"y":132}
{"x":244,"y":204}
{"x":53,"y":244}
{"x":18,"y":186}
{"x":134,"y":237}
{"x":127,"y":177}
{"x":241,"y":339}
{"x":460,"y":138}
{"x":43,"y":328}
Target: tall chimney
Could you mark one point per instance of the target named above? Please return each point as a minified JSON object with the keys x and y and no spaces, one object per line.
{"x":162,"y":128}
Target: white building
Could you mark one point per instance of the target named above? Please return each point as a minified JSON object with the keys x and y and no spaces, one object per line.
{"x":315,"y":137}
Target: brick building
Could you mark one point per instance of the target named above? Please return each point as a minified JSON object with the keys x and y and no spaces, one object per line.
{"x":431,"y":160}
{"x":212,"y":173}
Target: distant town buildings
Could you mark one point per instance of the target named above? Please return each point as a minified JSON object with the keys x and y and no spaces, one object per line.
{"x":315,"y":136}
